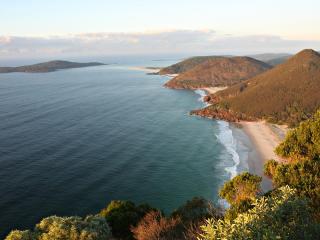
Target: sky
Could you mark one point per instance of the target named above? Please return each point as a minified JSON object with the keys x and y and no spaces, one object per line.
{"x":109,"y":27}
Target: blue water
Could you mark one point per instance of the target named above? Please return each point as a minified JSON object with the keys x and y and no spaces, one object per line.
{"x":71,"y":141}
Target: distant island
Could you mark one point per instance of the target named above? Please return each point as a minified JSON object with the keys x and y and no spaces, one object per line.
{"x":50,"y":66}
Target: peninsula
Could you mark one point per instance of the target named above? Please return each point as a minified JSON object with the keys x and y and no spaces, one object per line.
{"x":50,"y":66}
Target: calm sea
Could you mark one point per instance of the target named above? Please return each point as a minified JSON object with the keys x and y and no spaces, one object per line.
{"x":71,"y":141}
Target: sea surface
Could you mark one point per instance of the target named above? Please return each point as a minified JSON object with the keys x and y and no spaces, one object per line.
{"x":73,"y":140}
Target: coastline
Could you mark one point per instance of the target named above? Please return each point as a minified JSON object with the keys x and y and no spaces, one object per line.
{"x":213,"y":90}
{"x":264,"y":140}
{"x":251,"y":144}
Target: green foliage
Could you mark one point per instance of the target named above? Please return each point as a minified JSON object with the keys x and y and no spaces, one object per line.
{"x":242,"y":187}
{"x":238,"y":208}
{"x":66,"y":228}
{"x":304,"y":177}
{"x":121,"y":215}
{"x":281,"y":216}
{"x":196,"y":210}
{"x":270,"y":168}
{"x":302,"y":148}
{"x":302,"y":142}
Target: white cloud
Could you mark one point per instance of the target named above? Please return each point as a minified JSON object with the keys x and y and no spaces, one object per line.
{"x":181,"y":42}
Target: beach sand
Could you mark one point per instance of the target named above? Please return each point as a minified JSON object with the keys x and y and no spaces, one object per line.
{"x":265,"y":138}
{"x":146,"y":69}
{"x":213,"y":90}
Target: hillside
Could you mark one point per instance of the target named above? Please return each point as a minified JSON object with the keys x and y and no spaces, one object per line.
{"x":48,"y":67}
{"x":272,"y":59}
{"x":288,"y":93}
{"x":222,"y":71}
{"x":185,"y":65}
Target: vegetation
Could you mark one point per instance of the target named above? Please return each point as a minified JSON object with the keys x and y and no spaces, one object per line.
{"x":281,"y":216}
{"x":288,"y":93}
{"x":185,"y":65}
{"x":66,"y":228}
{"x":196,"y":210}
{"x":48,"y":67}
{"x":122,"y":215}
{"x":156,"y":227}
{"x":302,"y":172}
{"x":270,"y":168}
{"x":222,"y":71}
{"x":242,"y":187}
{"x":302,"y":142}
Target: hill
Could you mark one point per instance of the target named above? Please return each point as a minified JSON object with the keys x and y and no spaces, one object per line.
{"x":48,"y":67}
{"x":185,"y":65}
{"x":288,"y":93}
{"x":221,"y":71}
{"x":272,"y":59}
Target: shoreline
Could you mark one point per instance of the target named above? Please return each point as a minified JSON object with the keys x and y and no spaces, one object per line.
{"x":264,"y":140}
{"x":213,"y":90}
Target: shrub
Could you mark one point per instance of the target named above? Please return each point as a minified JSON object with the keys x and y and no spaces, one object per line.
{"x":242,"y":187}
{"x":156,"y":227}
{"x":302,"y":142}
{"x":270,"y":168}
{"x":196,"y":210}
{"x":66,"y":228}
{"x":121,"y":215}
{"x":238,"y":208}
{"x":281,"y":216}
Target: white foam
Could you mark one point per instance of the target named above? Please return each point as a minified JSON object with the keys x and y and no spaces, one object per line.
{"x":202,"y":94}
{"x":226,"y":138}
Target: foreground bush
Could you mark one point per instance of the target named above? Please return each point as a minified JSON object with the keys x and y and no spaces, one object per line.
{"x":196,"y":210}
{"x":280,"y":216}
{"x":302,"y":142}
{"x":122,"y":215}
{"x":66,"y":228}
{"x":245,"y":186}
{"x":154,"y":226}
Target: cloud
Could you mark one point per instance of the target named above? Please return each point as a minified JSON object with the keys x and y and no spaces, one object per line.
{"x":173,"y":42}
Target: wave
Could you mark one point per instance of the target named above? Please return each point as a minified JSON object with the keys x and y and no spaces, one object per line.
{"x":225,"y":136}
{"x":202,"y":94}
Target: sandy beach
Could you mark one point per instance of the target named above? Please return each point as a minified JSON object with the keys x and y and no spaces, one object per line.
{"x":265,"y":138}
{"x":146,"y":69}
{"x":213,"y":90}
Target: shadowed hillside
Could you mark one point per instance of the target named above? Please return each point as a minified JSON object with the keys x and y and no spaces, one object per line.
{"x":288,"y":93}
{"x":220,"y":71}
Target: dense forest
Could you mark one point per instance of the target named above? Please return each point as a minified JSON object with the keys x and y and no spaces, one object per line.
{"x":290,"y":211}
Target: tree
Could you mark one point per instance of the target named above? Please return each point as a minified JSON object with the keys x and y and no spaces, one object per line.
{"x":242,"y":187}
{"x":282,"y":215}
{"x":196,"y":210}
{"x":121,"y":215}
{"x":303,"y":142}
{"x":66,"y":228}
{"x":156,"y":227}
{"x":270,"y":168}
{"x":302,"y":172}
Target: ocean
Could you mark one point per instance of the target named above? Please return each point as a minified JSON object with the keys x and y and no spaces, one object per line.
{"x":73,"y":140}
